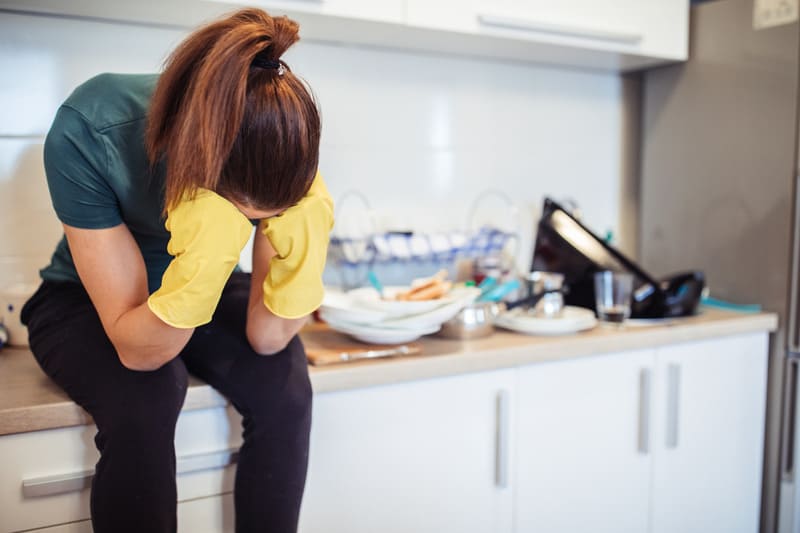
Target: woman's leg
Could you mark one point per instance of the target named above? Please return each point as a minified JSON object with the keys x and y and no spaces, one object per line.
{"x":135,"y":412}
{"x":273,"y":394}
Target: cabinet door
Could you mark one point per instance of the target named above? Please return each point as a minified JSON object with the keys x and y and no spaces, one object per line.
{"x":84,"y":526}
{"x":708,"y":432}
{"x":382,"y":11}
{"x":45,"y":475}
{"x":213,"y":514}
{"x":428,"y":456}
{"x":584,"y":460}
{"x":656,"y":28}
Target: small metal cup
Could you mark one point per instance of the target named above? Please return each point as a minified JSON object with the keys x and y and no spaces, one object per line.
{"x":551,"y":304}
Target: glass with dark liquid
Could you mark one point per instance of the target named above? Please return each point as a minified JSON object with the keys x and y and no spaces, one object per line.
{"x":613,"y":296}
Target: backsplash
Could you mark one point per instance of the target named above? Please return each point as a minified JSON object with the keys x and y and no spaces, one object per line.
{"x":427,"y":142}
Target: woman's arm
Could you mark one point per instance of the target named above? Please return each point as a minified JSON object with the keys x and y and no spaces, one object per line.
{"x":266,"y":332}
{"x":112,"y":270}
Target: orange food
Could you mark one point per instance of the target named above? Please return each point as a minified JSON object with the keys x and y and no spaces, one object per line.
{"x":427,"y":288}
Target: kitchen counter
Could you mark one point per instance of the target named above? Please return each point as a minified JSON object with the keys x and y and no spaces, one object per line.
{"x":29,"y":401}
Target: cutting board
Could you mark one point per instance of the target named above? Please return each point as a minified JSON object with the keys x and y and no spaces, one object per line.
{"x":330,"y":347}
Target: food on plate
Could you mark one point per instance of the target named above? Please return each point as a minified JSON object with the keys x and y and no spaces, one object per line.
{"x":430,"y":288}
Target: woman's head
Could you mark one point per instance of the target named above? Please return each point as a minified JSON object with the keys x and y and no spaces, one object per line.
{"x":229,"y":115}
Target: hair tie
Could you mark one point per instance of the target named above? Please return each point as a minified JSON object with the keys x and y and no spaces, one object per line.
{"x":269,"y":64}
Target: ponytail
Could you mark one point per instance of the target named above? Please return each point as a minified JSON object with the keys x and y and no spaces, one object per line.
{"x":228,"y":115}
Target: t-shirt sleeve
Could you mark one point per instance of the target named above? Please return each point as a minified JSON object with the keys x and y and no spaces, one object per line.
{"x":76,"y":165}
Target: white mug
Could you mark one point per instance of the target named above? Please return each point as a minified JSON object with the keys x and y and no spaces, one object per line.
{"x":12,"y":298}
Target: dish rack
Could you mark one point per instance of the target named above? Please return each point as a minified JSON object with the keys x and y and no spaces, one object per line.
{"x":397,"y":257}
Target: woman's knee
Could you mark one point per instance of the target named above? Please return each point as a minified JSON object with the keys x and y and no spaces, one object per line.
{"x":286,"y":390}
{"x":146,"y":402}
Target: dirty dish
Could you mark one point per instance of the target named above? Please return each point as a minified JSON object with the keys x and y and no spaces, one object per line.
{"x":369,"y":298}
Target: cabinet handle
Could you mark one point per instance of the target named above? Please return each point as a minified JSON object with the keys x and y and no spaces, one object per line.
{"x":789,"y":419}
{"x":644,"y":410}
{"x":502,"y":440}
{"x":673,"y":404}
{"x":77,"y":481}
{"x":535,"y":26}
{"x":793,"y":326}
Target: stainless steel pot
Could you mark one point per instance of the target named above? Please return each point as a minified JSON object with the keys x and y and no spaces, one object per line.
{"x":474,"y":321}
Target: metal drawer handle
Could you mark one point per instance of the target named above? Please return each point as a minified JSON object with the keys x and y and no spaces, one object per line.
{"x":644,"y":410}
{"x":673,"y":404}
{"x":793,"y":327}
{"x":789,"y":419}
{"x":502,"y":441}
{"x":77,"y":481}
{"x":518,"y":23}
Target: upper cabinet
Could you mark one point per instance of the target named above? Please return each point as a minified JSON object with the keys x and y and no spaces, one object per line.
{"x":610,"y":34}
{"x":615,"y":35}
{"x":380,"y":11}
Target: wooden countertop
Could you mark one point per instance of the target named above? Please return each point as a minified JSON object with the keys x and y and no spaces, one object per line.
{"x":29,"y":401}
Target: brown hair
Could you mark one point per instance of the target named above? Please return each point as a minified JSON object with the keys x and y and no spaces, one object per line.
{"x":219,"y":121}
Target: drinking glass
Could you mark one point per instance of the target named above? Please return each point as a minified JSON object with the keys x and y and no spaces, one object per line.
{"x":612,"y":292}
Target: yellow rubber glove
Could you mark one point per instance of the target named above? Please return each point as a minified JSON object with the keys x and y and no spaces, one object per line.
{"x":207,"y":237}
{"x":293,"y":287}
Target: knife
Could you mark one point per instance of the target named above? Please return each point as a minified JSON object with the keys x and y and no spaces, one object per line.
{"x":326,"y":357}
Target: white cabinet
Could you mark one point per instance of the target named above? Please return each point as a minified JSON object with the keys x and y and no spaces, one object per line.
{"x":213,"y":514}
{"x":615,"y":35}
{"x":629,"y":32}
{"x":383,"y":10}
{"x":708,"y":432}
{"x":584,"y":461}
{"x":427,"y":456}
{"x":84,"y":526}
{"x":45,"y":475}
{"x":660,"y":441}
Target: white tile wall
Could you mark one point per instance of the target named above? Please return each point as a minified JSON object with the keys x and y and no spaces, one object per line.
{"x":421,"y":136}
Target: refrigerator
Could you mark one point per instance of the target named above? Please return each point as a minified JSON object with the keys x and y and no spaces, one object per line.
{"x":718,"y":193}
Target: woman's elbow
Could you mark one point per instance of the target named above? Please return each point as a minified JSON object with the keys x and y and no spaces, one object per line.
{"x":138,"y":361}
{"x":268,"y":344}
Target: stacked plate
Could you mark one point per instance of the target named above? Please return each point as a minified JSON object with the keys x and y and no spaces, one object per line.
{"x":369,"y":316}
{"x":572,"y":320}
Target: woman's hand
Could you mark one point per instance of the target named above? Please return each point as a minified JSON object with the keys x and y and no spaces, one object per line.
{"x":299,"y":237}
{"x":208,"y":233}
{"x":267,"y":333}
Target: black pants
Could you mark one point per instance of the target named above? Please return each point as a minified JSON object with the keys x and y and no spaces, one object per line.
{"x":134,"y":487}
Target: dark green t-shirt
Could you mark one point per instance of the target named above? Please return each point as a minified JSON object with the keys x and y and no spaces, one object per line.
{"x":98,"y":172}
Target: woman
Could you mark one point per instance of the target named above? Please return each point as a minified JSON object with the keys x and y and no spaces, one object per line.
{"x":158,"y":181}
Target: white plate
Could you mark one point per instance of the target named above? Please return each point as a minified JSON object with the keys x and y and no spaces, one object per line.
{"x":377,"y":335}
{"x":572,"y":320}
{"x":337,"y":306}
{"x":367,"y":297}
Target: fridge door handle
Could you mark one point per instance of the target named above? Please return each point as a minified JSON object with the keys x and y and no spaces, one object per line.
{"x":789,"y":420}
{"x":793,"y":331}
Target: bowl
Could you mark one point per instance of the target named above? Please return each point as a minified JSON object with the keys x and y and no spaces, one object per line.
{"x":473,"y":321}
